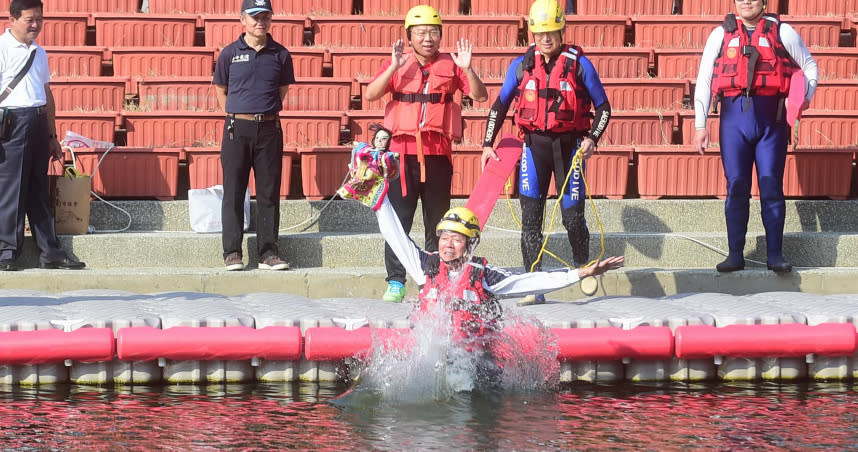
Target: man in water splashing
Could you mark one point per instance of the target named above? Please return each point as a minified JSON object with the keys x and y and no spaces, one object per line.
{"x":465,"y":284}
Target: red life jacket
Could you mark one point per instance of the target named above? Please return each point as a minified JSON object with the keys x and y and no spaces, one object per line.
{"x":756,"y":66}
{"x":474,"y":311}
{"x":411,"y":95}
{"x":555,"y":102}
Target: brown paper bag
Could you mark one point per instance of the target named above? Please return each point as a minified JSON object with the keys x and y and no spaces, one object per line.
{"x":70,"y":201}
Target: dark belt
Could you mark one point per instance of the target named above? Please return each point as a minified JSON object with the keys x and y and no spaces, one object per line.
{"x":256,"y":117}
{"x":432,"y":98}
{"x":38,"y":110}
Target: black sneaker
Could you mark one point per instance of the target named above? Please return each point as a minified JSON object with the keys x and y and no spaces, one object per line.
{"x":8,"y":265}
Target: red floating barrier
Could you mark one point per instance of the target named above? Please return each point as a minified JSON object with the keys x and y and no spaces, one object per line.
{"x":50,"y":346}
{"x":760,"y":341}
{"x":333,"y":343}
{"x":614,"y":344}
{"x":203,"y":344}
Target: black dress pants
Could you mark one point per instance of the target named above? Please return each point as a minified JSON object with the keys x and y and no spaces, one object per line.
{"x":24,"y":157}
{"x":434,"y":194}
{"x":259,"y":145}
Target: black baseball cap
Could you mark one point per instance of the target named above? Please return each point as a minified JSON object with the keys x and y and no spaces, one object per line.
{"x":254,"y":7}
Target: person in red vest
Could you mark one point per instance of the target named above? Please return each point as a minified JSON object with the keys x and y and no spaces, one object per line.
{"x":424,"y":121}
{"x":747,"y":64}
{"x":456,"y":285}
{"x":554,"y":85}
{"x":466,"y":285}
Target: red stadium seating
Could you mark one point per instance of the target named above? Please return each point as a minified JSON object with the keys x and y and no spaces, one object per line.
{"x":89,"y":93}
{"x":320,"y":93}
{"x":223,"y":29}
{"x":75,"y":61}
{"x":104,"y":53}
{"x":594,"y":31}
{"x":281,"y":7}
{"x":173,"y":93}
{"x":625,"y":7}
{"x":63,"y":29}
{"x":163,"y":61}
{"x":144,"y":30}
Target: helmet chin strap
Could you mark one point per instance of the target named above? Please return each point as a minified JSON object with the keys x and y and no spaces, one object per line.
{"x":456,"y":264}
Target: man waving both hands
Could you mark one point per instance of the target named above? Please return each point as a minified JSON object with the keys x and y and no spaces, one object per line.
{"x":424,"y":121}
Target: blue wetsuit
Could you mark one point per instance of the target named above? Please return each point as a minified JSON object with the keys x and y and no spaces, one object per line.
{"x":754,"y":133}
{"x":544,"y":153}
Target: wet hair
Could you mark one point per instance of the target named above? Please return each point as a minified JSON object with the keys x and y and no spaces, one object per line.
{"x":17,"y":6}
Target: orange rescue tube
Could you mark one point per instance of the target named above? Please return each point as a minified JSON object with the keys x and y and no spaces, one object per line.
{"x":49,"y":346}
{"x":760,"y":341}
{"x":613,"y":344}
{"x":227,"y":343}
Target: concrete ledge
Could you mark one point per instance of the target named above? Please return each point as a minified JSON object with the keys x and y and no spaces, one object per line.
{"x":626,"y":215}
{"x":369,"y":282}
{"x":307,"y":250}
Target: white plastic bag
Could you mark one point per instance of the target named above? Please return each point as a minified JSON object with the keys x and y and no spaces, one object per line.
{"x":74,"y":140}
{"x":204,"y":209}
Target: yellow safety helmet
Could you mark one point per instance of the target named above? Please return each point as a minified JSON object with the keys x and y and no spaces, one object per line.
{"x":546,"y":16}
{"x":422,"y":15}
{"x":461,"y":220}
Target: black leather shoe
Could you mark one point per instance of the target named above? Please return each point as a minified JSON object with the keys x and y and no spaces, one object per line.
{"x":731,"y":264}
{"x":8,"y":265}
{"x":779,"y":265}
{"x":65,"y":264}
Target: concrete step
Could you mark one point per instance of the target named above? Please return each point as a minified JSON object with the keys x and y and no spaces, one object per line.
{"x":631,"y":215}
{"x":338,"y":249}
{"x":368,"y":282}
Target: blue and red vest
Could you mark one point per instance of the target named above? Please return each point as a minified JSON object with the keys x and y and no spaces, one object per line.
{"x":555,"y":102}
{"x":759,"y":65}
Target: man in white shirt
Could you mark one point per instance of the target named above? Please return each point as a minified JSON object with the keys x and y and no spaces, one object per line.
{"x":28,"y":142}
{"x":748,"y":62}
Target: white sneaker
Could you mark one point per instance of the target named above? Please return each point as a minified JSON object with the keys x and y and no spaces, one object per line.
{"x":233,"y":262}
{"x":273,"y":263}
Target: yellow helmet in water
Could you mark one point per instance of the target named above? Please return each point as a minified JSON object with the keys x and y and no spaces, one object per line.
{"x":422,"y":15}
{"x":546,"y":16}
{"x":461,"y":220}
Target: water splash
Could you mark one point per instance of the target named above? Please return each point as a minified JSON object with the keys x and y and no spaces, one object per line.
{"x":527,"y":352}
{"x":430,"y":361}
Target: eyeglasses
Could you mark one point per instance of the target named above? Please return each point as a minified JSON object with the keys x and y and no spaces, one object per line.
{"x":422,"y":34}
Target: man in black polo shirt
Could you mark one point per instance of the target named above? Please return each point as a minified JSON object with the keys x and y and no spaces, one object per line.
{"x":252,"y":77}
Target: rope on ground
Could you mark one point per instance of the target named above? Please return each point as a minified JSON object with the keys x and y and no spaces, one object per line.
{"x":313,"y":219}
{"x":95,"y":170}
